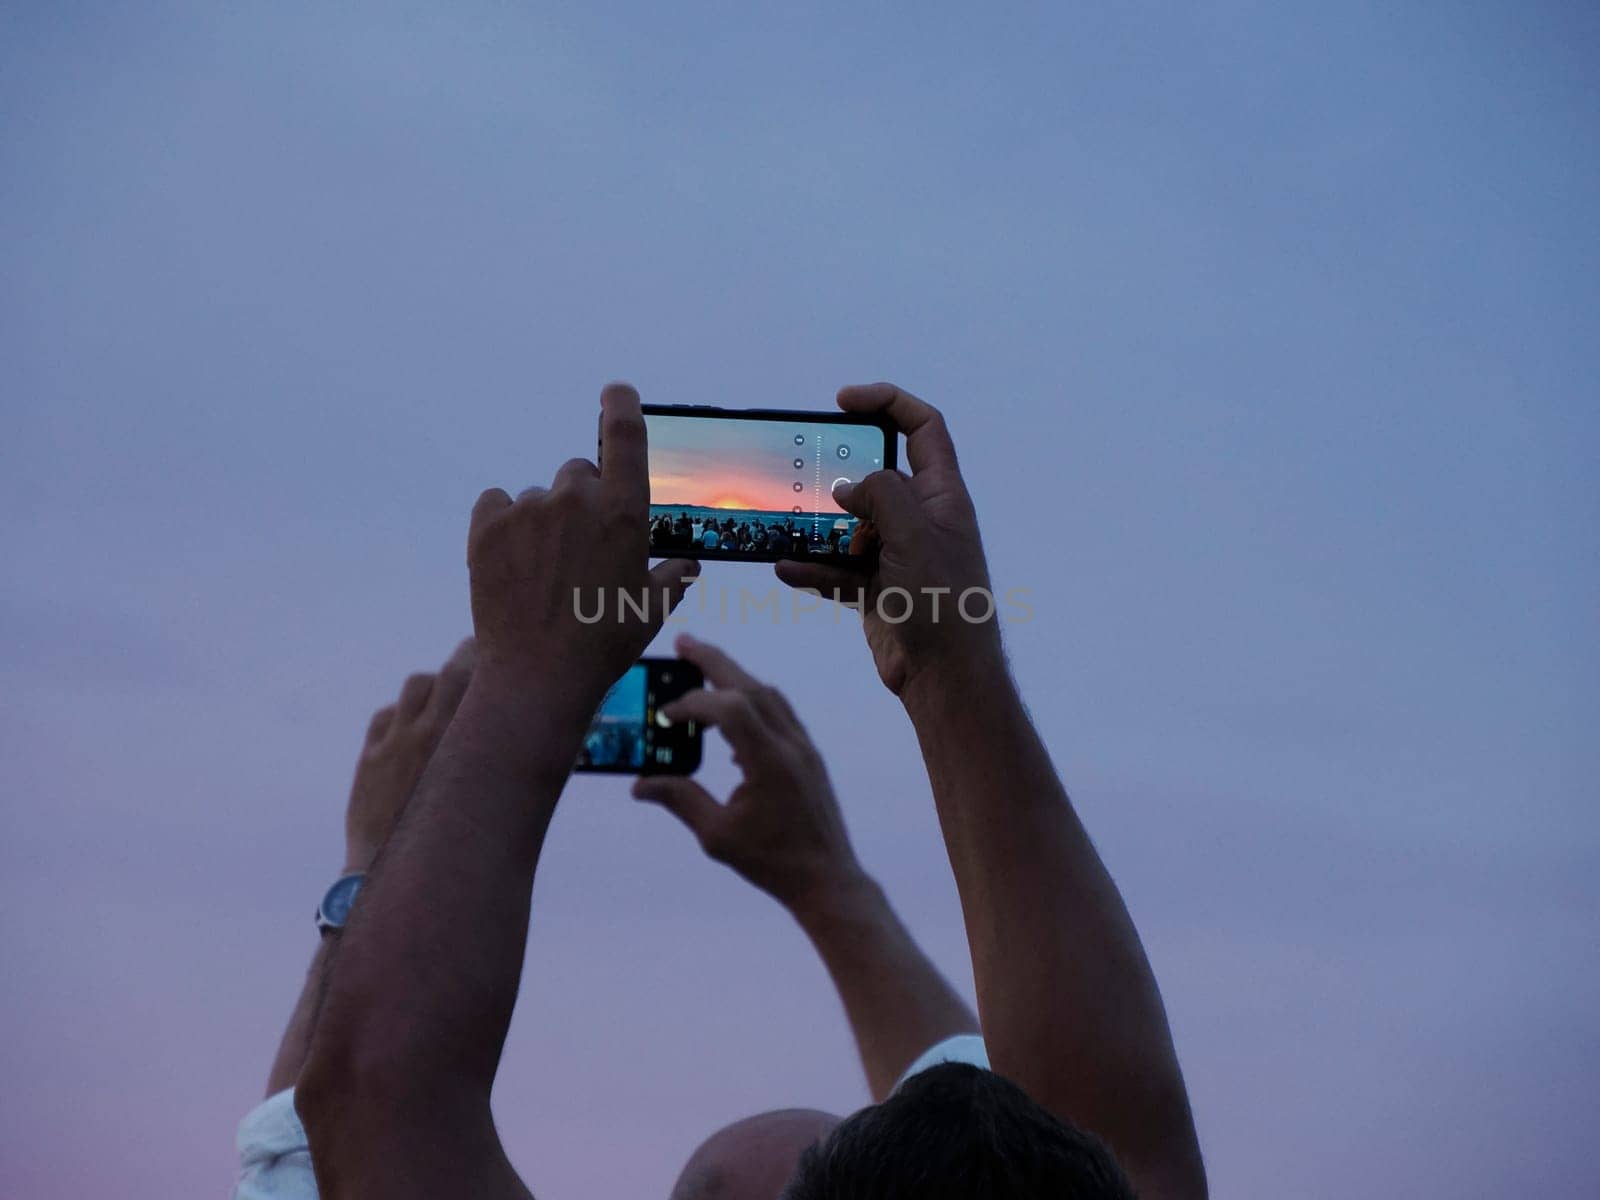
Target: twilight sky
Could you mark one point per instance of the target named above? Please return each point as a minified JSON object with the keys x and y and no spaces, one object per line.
{"x":1267,"y":335}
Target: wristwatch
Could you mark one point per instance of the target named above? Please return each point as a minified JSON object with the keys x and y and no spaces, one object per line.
{"x":334,"y":910}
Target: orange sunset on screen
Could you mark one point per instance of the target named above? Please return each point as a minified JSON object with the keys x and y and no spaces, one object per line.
{"x":712,"y":484}
{"x":753,"y":466}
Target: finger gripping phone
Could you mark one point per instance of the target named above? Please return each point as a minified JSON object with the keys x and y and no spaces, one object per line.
{"x":629,"y":736}
{"x":756,"y":485}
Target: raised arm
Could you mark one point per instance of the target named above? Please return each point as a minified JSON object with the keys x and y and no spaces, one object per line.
{"x":274,"y":1158}
{"x":395,"y":1095}
{"x":1069,"y":1006}
{"x":400,"y":739}
{"x":781,"y":830}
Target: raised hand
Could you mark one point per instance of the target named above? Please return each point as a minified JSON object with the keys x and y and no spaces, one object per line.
{"x":400,"y":740}
{"x":395,"y":1094}
{"x":538,"y":560}
{"x":1071,"y":1010}
{"x":929,"y":556}
{"x":780,"y":828}
{"x":398,"y":744}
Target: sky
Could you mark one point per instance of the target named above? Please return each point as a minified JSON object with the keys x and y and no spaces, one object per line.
{"x":771,"y":465}
{"x":1267,"y":336}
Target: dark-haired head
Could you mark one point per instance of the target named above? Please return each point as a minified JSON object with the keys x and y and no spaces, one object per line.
{"x":957,"y":1131}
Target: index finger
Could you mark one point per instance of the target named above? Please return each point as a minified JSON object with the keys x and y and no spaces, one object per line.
{"x":715,"y":665}
{"x":730,"y":711}
{"x":624,"y":460}
{"x":928,"y":442}
{"x":489,"y":505}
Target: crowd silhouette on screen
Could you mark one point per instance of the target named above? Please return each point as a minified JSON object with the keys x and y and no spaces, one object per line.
{"x":755,"y":535}
{"x":613,"y":744}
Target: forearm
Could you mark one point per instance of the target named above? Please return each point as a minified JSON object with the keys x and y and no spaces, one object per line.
{"x":897,"y":1002}
{"x":1070,"y":1007}
{"x":296,"y":1043}
{"x":427,"y":970}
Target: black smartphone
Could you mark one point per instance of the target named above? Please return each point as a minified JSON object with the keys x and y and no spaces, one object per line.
{"x":629,"y":736}
{"x":756,"y":485}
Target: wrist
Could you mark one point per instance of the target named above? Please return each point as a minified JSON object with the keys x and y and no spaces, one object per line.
{"x":956,"y":681}
{"x":567,"y":674}
{"x":848,"y":894}
{"x":531,"y":725}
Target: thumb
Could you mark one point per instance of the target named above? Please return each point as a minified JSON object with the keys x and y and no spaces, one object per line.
{"x":669,"y":582}
{"x":885,"y":499}
{"x":682,"y":797}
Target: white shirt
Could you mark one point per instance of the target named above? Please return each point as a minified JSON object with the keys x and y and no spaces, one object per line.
{"x":274,"y":1158}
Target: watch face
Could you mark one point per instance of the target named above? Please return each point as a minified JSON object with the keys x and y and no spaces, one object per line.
{"x":336,"y":904}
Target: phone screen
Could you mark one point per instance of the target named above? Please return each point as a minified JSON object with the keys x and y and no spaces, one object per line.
{"x":627,"y":737}
{"x":758,"y":485}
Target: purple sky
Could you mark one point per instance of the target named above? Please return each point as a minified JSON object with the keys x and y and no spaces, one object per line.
{"x":1266,"y":334}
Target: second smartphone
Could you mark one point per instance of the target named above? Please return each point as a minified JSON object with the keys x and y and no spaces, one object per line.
{"x":629,"y":736}
{"x":756,"y":485}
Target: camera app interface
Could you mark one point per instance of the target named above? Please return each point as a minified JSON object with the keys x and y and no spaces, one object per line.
{"x":628,"y":733}
{"x":730,"y":487}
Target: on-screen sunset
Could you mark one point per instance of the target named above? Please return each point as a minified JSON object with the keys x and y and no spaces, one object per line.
{"x":751,"y":465}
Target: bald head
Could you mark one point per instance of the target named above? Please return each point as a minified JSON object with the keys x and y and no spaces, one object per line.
{"x":751,"y":1159}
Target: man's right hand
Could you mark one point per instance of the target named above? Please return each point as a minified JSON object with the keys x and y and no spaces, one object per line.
{"x":1071,"y":1010}
{"x":925,"y":532}
{"x":781,"y":828}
